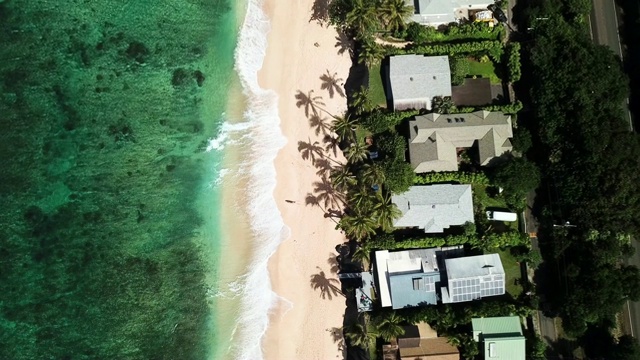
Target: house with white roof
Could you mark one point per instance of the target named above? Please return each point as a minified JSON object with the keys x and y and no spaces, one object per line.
{"x":472,"y":278}
{"x":434,"y":139}
{"x":414,"y":80}
{"x":411,"y":277}
{"x":442,"y":12}
{"x":434,"y":208}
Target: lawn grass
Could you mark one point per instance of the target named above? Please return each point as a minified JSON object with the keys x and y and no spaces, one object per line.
{"x":483,"y":199}
{"x":512,"y":272}
{"x":376,"y":88}
{"x":485,"y":70}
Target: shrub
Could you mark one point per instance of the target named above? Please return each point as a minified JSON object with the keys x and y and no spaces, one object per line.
{"x":493,"y":49}
{"x":459,"y":69}
{"x":380,"y":120}
{"x":507,"y":109}
{"x":513,"y":61}
{"x":398,"y":175}
{"x":478,"y":178}
{"x":420,"y":34}
{"x":392,"y":146}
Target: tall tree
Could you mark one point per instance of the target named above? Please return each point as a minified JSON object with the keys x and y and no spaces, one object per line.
{"x":342,"y":178}
{"x":369,"y":52}
{"x":394,"y":14}
{"x":359,"y":225}
{"x":331,"y":83}
{"x":386,"y":212}
{"x":309,"y":101}
{"x":372,"y":174}
{"x":361,"y":101}
{"x":359,"y":336}
{"x":357,"y":152}
{"x":362,"y":17}
{"x":344,"y":127}
{"x":389,"y":326}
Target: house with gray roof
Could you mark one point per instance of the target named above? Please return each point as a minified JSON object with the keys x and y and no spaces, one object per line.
{"x":434,"y":139}
{"x":434,"y":208}
{"x":501,"y":337}
{"x":472,"y":278}
{"x":441,"y":12}
{"x":411,"y":277}
{"x":414,"y":80}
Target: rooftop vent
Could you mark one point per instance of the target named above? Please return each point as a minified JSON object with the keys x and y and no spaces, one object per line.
{"x":410,"y":79}
{"x":448,"y":120}
{"x":434,"y":77}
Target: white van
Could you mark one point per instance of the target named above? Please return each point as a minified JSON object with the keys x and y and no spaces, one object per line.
{"x":502,"y":216}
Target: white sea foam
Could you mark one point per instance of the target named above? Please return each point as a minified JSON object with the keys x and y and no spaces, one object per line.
{"x":225,"y":133}
{"x":255,"y":294}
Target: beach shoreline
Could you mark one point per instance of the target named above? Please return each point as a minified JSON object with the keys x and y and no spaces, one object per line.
{"x":306,"y":319}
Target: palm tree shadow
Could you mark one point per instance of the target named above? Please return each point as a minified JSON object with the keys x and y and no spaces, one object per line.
{"x":320,"y":124}
{"x":324,"y":167}
{"x":327,"y":194}
{"x":332,"y":83}
{"x":309,"y":102}
{"x":344,"y":43}
{"x":327,"y":286}
{"x":320,"y":12}
{"x":334,"y":263}
{"x":310,"y":150}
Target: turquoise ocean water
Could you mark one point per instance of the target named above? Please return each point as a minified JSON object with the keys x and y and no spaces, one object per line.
{"x":110,"y":244}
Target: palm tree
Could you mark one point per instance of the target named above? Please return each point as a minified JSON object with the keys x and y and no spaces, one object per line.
{"x":310,"y":150}
{"x":357,"y":152}
{"x":372,"y":174}
{"x":331,"y":83}
{"x":389,"y":326}
{"x":370,"y":53}
{"x":342,"y":178}
{"x":362,"y":255}
{"x":362,"y":17}
{"x":360,"y":199}
{"x":394,"y":14}
{"x":359,"y":336}
{"x":360,"y":101}
{"x":360,"y":225}
{"x":386,"y":212}
{"x":320,"y":124}
{"x":309,"y":102}
{"x":344,"y":126}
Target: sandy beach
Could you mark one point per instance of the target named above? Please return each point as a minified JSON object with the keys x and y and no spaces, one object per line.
{"x":303,"y":271}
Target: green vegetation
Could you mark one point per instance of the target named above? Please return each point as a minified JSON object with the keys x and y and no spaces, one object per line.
{"x":376,"y":88}
{"x":517,"y":177}
{"x":475,"y":178}
{"x":491,"y":48}
{"x":513,"y":61}
{"x":422,"y":35}
{"x":589,"y":163}
{"x":512,"y":272}
{"x":483,"y":69}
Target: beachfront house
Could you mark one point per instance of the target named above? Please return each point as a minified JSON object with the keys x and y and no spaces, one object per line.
{"x":442,"y":12}
{"x":414,"y":80}
{"x":435,"y":139}
{"x":420,"y":341}
{"x":472,"y":278}
{"x":411,"y":277}
{"x":501,"y":337}
{"x":434,"y":208}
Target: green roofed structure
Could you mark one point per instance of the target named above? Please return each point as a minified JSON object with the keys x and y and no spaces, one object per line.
{"x":501,"y":337}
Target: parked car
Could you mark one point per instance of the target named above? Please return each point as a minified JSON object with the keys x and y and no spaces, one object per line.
{"x":501,"y":216}
{"x":498,"y":14}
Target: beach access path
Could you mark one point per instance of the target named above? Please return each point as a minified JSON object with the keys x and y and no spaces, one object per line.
{"x":306,"y":323}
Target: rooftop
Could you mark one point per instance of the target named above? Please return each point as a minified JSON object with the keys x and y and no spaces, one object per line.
{"x":501,"y":336}
{"x":434,"y":138}
{"x":473,"y":277}
{"x":474,"y":266}
{"x":434,"y":208}
{"x":415,"y":79}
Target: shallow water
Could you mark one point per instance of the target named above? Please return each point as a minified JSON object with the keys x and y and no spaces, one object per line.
{"x":106,"y":112}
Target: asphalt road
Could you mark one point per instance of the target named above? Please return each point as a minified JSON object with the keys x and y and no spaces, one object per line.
{"x":631,"y":311}
{"x":603,"y":22}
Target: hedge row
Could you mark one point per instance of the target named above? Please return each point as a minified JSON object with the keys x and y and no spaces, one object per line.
{"x":460,"y":177}
{"x":492,"y":48}
{"x":513,"y":61}
{"x":488,"y":242}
